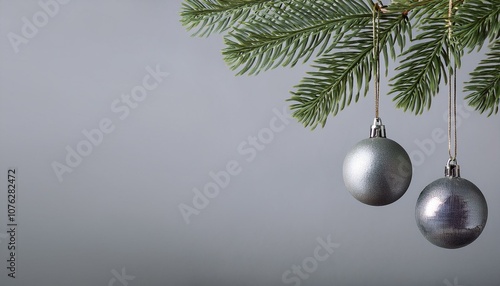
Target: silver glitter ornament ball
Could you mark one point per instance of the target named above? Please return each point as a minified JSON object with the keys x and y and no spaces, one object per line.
{"x":377,"y":171}
{"x":451,"y":212}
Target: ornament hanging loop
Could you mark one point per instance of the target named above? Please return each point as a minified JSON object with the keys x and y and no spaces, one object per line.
{"x":377,"y":129}
{"x":452,"y":91}
{"x":452,"y":169}
{"x":376,"y":54}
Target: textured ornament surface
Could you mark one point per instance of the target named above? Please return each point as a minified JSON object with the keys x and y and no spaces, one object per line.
{"x":451,"y":212}
{"x":377,"y":171}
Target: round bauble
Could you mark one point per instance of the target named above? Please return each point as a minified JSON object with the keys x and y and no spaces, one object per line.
{"x":451,"y":212}
{"x":377,"y":171}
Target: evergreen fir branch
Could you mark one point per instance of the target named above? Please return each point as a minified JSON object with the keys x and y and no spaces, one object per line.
{"x":264,"y":34}
{"x":484,"y":84}
{"x":478,"y":21}
{"x":344,"y":73}
{"x":293,"y":33}
{"x":395,"y":31}
{"x":420,"y":10}
{"x":329,"y":89}
{"x":215,"y":16}
{"x":423,"y":66}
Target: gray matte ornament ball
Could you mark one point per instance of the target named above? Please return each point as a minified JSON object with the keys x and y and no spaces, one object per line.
{"x":451,"y":212}
{"x":377,"y":171}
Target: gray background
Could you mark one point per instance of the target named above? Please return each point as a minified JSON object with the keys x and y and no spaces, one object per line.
{"x":119,"y":209}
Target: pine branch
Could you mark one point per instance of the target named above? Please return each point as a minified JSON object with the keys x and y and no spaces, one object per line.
{"x":264,"y":34}
{"x":426,"y":63}
{"x":215,"y":16}
{"x":420,"y":9}
{"x":423,"y":67}
{"x":294,"y":32}
{"x":478,"y":21}
{"x":331,"y":87}
{"x":484,"y":84}
{"x":344,"y":72}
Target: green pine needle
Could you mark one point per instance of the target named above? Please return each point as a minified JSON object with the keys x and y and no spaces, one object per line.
{"x":344,"y":73}
{"x":421,"y":70}
{"x":215,"y":16}
{"x":292,"y":33}
{"x":484,"y":85}
{"x":477,"y":22}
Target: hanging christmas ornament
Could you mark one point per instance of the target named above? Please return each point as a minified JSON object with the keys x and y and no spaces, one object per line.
{"x":377,"y":171}
{"x":451,"y":212}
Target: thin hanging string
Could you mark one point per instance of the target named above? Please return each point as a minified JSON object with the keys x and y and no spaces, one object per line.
{"x":452,"y":91}
{"x":376,"y":55}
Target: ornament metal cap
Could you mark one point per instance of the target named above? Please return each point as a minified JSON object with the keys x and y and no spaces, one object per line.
{"x":377,"y":129}
{"x":452,"y":169}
